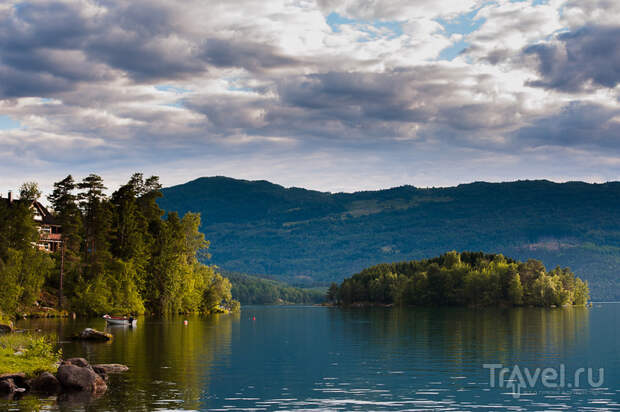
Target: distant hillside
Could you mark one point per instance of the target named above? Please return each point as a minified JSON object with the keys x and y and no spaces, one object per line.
{"x":312,"y":238}
{"x":255,"y":290}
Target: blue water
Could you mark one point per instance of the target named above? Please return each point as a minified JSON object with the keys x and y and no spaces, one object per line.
{"x":319,"y":358}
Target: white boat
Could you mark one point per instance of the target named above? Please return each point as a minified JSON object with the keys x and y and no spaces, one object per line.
{"x":120,"y":320}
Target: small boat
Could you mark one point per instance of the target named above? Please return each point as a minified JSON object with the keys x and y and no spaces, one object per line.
{"x":120,"y":320}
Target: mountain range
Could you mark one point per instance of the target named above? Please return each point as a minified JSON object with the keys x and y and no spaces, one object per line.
{"x":311,"y":238}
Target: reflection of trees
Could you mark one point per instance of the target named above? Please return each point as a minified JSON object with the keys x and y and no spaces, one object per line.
{"x":466,"y":337}
{"x":169,"y":362}
{"x":173,"y":360}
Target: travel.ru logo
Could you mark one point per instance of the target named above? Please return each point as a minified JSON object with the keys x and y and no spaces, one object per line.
{"x":518,"y":379}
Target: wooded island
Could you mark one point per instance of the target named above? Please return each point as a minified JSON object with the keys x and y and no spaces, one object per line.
{"x":462,"y":279}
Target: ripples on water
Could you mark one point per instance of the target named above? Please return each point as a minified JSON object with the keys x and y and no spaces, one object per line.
{"x":315,"y":358}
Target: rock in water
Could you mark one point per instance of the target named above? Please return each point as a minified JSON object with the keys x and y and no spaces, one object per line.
{"x":92,"y":334}
{"x":7,"y":387}
{"x":73,"y":377}
{"x":4,"y":328}
{"x":110,"y":368}
{"x":19,"y":379}
{"x":81,"y":362}
{"x":46,"y":383}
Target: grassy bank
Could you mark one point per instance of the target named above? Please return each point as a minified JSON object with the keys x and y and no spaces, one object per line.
{"x":27,"y":353}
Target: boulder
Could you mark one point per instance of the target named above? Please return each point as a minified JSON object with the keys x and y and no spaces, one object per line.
{"x":18,"y":379}
{"x":6,"y":328}
{"x":101,"y":372}
{"x":111,"y":368}
{"x":45,"y":383}
{"x":73,"y":377}
{"x":81,"y":362}
{"x":92,"y":334}
{"x":7,"y":387}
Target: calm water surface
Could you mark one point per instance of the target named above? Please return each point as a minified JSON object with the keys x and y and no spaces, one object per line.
{"x":316,"y":358}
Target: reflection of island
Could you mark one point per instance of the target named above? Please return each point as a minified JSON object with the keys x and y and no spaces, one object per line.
{"x":462,"y":279}
{"x":468,"y":337}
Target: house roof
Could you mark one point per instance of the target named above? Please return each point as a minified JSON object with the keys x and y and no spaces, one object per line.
{"x":46,"y":217}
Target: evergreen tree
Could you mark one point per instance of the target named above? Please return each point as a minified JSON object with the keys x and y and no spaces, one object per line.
{"x":122,"y":256}
{"x":97,"y":223}
{"x":64,"y":204}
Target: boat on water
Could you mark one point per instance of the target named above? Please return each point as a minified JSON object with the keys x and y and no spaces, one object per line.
{"x":120,"y":320}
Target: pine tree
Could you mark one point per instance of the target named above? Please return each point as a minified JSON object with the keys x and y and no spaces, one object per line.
{"x":97,"y":223}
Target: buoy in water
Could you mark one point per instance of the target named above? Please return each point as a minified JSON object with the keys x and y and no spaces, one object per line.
{"x":185,"y":322}
{"x":253,"y":317}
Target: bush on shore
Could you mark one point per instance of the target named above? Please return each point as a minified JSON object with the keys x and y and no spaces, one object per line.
{"x":28,"y":353}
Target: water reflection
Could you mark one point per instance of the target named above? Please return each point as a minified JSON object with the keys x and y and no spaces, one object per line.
{"x":465,"y":335}
{"x":316,"y":358}
{"x":169,"y":363}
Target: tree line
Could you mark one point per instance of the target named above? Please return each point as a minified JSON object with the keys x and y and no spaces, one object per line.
{"x":254,"y":290}
{"x":122,"y":253}
{"x":467,"y":278}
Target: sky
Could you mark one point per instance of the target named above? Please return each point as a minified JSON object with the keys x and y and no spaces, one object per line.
{"x":334,"y":95}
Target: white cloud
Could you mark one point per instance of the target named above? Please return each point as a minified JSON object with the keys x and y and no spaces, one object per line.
{"x":253,"y":87}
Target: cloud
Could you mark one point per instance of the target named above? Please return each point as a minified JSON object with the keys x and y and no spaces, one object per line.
{"x":248,"y":55}
{"x":579,"y":124}
{"x":121,"y":84}
{"x":510,"y":26}
{"x":583,"y":59}
{"x":398,"y":9}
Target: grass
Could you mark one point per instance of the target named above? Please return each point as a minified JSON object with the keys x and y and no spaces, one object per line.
{"x":28,"y":353}
{"x":4,"y":319}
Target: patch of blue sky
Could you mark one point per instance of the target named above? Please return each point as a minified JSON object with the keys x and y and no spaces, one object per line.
{"x":463,"y":24}
{"x":534,"y":2}
{"x":8,"y":123}
{"x":170,"y":88}
{"x":393,"y":27}
{"x":451,"y":52}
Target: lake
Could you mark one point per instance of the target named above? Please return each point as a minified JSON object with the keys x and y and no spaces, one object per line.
{"x":321,"y":358}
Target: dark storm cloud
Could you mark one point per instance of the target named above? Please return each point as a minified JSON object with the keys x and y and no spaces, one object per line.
{"x":578,"y":59}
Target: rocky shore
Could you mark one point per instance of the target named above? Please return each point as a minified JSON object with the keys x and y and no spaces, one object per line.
{"x":73,"y":375}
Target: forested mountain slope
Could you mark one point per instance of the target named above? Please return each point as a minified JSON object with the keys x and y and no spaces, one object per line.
{"x":313,"y":238}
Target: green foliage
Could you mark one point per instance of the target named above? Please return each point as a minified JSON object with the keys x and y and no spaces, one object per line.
{"x":11,"y":290}
{"x":17,"y":227}
{"x":22,"y":274}
{"x":254,"y":290}
{"x":120,"y":256}
{"x":29,"y":192}
{"x":28,"y":353}
{"x":332,"y":293}
{"x":310,"y":238}
{"x":463,"y":279}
